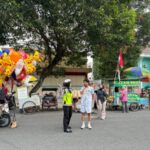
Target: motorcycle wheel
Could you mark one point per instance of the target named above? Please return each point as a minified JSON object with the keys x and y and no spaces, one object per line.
{"x":5,"y":120}
{"x":134,"y":106}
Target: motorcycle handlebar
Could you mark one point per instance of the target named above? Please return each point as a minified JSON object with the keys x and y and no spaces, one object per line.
{"x":12,"y":93}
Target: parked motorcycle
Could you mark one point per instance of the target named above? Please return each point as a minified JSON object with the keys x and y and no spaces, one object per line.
{"x":11,"y":101}
{"x":5,"y":118}
{"x":6,"y":105}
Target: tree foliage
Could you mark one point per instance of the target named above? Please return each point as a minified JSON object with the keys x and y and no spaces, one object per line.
{"x":58,"y":27}
{"x":67,"y":30}
{"x":5,"y":15}
{"x":143,"y":22}
{"x":118,"y":32}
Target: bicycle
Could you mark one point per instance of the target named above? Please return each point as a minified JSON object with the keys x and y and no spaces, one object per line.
{"x":134,"y":106}
{"x":33,"y":105}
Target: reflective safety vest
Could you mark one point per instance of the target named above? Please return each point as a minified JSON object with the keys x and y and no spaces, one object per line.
{"x":67,"y":98}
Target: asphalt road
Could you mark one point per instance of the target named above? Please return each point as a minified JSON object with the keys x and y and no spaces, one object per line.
{"x":43,"y":131}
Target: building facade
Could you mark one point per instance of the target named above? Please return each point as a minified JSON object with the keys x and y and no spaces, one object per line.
{"x":77,"y":75}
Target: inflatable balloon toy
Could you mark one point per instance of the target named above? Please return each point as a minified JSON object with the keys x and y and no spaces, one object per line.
{"x":15,"y":56}
{"x":29,"y":80}
{"x":6,"y":51}
{"x":22,"y":75}
{"x":19,"y":67}
{"x":23,"y":54}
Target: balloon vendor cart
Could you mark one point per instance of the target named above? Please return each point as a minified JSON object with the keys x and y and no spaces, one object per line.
{"x":18,"y":67}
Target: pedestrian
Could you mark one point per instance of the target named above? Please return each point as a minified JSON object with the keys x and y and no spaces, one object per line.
{"x":67,"y":106}
{"x":95,"y":97}
{"x":87,"y":95}
{"x":124,"y":99}
{"x":75,"y":99}
{"x":101,"y":100}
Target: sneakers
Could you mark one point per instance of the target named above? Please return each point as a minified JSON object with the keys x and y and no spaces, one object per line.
{"x":89,"y":126}
{"x":83,"y":125}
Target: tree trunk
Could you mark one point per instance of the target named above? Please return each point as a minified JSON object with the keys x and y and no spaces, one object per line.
{"x":48,"y":70}
{"x":45,"y":72}
{"x":37,"y":86}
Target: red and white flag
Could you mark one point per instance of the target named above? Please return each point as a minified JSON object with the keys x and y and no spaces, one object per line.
{"x":120,"y":60}
{"x":119,"y":65}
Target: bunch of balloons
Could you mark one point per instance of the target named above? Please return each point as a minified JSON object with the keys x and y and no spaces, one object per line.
{"x":17,"y":64}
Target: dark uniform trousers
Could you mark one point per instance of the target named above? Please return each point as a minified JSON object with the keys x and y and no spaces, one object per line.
{"x":67,"y":116}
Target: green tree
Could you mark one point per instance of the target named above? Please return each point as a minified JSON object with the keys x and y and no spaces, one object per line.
{"x":118,"y":32}
{"x":143,"y":21}
{"x":57,"y":27}
{"x":5,"y":20}
{"x":143,"y":33}
{"x":3,"y":35}
{"x":69,"y":29}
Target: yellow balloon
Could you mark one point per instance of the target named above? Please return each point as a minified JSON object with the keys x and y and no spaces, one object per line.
{"x":5,"y":54}
{"x":36,"y":56}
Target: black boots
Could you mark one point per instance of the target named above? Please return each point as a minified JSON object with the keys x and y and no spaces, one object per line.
{"x":68,"y":131}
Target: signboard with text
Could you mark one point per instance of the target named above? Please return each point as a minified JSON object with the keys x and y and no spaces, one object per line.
{"x":126,"y":83}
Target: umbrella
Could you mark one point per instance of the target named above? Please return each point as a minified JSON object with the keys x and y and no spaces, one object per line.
{"x":146,"y":74}
{"x":133,"y":72}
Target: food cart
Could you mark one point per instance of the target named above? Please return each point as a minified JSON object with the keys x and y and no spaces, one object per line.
{"x":135,"y":101}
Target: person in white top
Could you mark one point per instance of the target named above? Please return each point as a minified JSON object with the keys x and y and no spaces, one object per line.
{"x":87,"y":95}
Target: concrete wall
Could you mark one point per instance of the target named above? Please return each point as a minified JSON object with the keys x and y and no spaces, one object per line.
{"x":53,"y":82}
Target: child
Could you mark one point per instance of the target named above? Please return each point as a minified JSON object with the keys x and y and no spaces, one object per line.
{"x":87,"y":93}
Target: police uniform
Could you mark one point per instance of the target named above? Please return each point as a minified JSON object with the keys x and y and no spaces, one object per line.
{"x":67,"y":106}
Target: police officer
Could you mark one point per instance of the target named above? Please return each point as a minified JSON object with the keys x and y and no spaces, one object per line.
{"x":67,"y":105}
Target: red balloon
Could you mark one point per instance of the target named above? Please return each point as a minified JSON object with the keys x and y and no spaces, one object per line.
{"x":23,"y":54}
{"x":22,"y":75}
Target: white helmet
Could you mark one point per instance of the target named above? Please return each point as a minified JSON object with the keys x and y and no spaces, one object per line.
{"x":67,"y":83}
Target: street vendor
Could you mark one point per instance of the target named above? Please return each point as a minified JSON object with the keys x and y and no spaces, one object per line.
{"x":67,"y":105}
